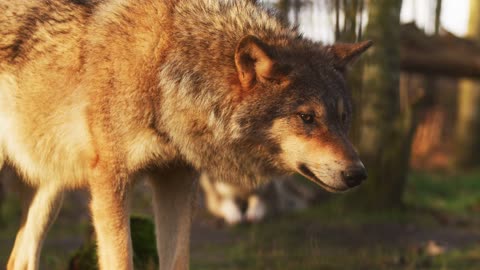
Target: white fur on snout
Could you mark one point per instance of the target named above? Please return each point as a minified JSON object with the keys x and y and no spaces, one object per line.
{"x":257,"y":209}
{"x":231,"y":212}
{"x":323,"y":163}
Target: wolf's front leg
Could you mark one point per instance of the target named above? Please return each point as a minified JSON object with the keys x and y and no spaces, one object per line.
{"x":40,"y":207}
{"x":174,"y":193}
{"x":110,"y":211}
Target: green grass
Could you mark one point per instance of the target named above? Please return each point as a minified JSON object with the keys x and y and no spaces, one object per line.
{"x":268,"y":247}
{"x":464,"y":259}
{"x":454,"y":193}
{"x":292,"y":242}
{"x":319,"y":237}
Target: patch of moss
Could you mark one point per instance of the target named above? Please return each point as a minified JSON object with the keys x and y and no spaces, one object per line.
{"x":143,"y":242}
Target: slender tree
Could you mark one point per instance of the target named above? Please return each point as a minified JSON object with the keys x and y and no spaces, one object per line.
{"x":284,"y":8}
{"x":468,"y":121}
{"x":297,"y":5}
{"x":360,"y":19}
{"x":337,"y":19}
{"x":438,"y":13}
{"x":351,"y":10}
{"x":430,"y":79}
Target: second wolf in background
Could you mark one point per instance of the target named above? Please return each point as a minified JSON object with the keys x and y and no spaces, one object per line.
{"x":236,"y":204}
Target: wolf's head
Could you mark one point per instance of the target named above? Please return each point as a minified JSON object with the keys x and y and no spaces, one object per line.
{"x":296,"y":107}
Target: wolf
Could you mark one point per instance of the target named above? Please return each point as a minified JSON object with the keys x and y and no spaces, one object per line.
{"x":236,"y":204}
{"x":97,"y":94}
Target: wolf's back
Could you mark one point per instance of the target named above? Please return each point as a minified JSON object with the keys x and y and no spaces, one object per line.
{"x":29,"y":29}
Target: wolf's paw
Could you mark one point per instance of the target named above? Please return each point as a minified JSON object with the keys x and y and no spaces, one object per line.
{"x":231,"y":212}
{"x":257,"y":209}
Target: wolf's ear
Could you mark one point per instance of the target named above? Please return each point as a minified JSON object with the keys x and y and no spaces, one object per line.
{"x":255,"y":62}
{"x":345,"y":54}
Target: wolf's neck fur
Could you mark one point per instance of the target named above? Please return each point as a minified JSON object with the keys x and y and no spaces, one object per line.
{"x":200,"y":71}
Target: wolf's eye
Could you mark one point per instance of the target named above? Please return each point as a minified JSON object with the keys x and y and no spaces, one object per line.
{"x":306,"y":118}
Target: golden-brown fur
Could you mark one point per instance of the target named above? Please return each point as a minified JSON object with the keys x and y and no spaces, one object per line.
{"x":98,"y":93}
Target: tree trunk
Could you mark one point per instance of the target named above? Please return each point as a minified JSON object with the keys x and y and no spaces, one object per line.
{"x":438,"y":13}
{"x":350,"y":11}
{"x":283,"y":8}
{"x":337,"y":19}
{"x":430,"y":79}
{"x":468,"y":121}
{"x":351,"y":8}
{"x":360,"y":19}
{"x":385,"y":130}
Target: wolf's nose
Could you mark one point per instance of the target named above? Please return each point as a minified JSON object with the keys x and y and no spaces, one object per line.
{"x":354,"y":176}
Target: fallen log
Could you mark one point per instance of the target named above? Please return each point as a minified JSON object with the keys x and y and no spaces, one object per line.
{"x":445,"y":54}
